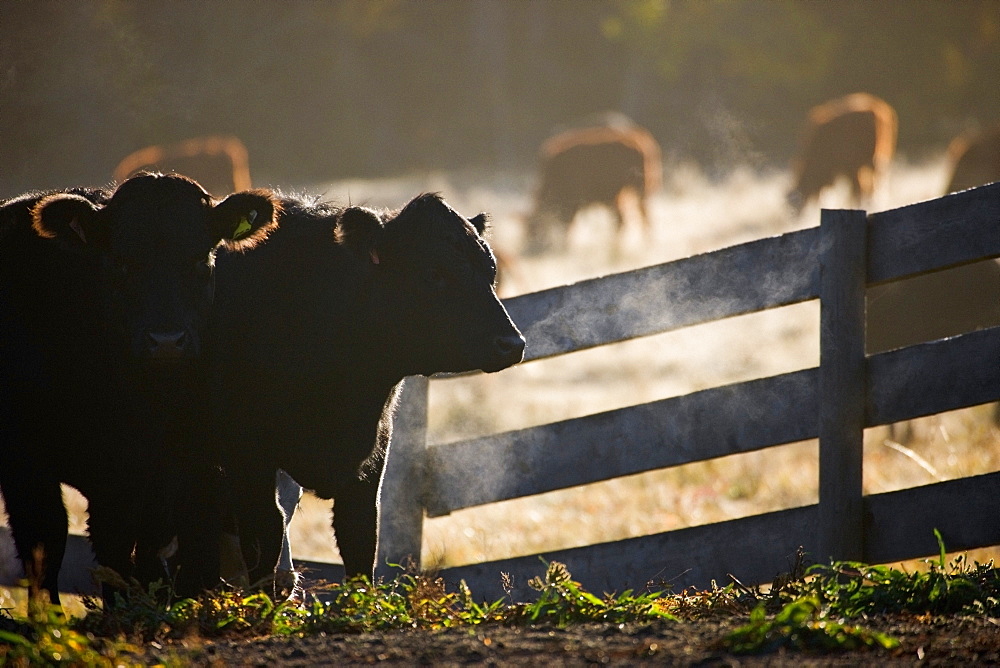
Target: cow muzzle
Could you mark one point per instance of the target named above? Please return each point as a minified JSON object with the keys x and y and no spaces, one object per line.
{"x":507,"y":351}
{"x":169,"y":346}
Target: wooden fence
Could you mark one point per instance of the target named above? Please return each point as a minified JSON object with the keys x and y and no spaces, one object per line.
{"x":833,"y":402}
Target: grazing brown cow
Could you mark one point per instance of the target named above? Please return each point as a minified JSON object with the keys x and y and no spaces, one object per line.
{"x":975,"y":160}
{"x":592,"y":165}
{"x":219,"y":164}
{"x":852,"y":137}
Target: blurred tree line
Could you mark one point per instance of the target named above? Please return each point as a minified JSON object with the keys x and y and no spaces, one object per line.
{"x":356,"y":88}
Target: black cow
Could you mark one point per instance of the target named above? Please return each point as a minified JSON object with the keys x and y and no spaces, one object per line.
{"x":103,"y":296}
{"x":315,"y":329}
{"x":48,"y":320}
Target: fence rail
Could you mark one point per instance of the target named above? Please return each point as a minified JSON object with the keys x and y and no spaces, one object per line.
{"x":834,"y":402}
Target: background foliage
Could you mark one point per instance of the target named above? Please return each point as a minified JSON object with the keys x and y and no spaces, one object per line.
{"x":360,"y":88}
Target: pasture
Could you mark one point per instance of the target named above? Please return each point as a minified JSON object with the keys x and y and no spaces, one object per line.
{"x":693,"y":214}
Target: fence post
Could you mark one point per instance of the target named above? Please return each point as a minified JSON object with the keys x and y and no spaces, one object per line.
{"x":842,"y":384}
{"x":401,"y":508}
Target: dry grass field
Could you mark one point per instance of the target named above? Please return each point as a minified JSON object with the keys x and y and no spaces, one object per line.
{"x":693,"y":214}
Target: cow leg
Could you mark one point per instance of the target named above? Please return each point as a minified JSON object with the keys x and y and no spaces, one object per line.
{"x":113,"y":527}
{"x":258,"y":520}
{"x":289,"y":494}
{"x":355,"y":525}
{"x":562,"y":223}
{"x":863,"y":185}
{"x":39,"y":524}
{"x":197,"y":499}
{"x":154,"y":539}
{"x":901,"y":432}
{"x":232,"y":567}
{"x":620,"y":211}
{"x":647,"y":224}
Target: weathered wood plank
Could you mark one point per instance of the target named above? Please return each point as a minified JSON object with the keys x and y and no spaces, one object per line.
{"x":934,"y":377}
{"x":955,"y":229}
{"x":761,"y":274}
{"x":900,"y":525}
{"x":702,"y":425}
{"x":741,"y":279}
{"x":842,"y":383}
{"x":756,"y":549}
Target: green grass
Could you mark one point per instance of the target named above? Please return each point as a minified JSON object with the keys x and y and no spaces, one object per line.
{"x":813,"y":611}
{"x":802,"y":624}
{"x":821,"y":608}
{"x":46,"y":637}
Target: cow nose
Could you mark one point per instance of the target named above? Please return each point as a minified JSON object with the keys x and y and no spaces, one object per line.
{"x":167,"y":345}
{"x":510,"y":347}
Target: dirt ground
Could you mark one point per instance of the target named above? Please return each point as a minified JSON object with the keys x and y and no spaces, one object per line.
{"x":923,"y":641}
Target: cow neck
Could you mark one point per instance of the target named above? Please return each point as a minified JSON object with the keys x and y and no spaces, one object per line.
{"x":373,"y":333}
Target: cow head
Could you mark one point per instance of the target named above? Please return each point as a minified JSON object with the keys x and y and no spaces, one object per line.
{"x":434,"y":277}
{"x":156,"y":237}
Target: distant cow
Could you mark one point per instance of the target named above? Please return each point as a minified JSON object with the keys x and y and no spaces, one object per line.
{"x":601,"y":165}
{"x":313,"y":332}
{"x":220,"y":164}
{"x":852,"y":137}
{"x":103,"y":296}
{"x":975,"y":160}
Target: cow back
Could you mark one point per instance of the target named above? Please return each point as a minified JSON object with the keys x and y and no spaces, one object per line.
{"x":633,"y":159}
{"x":853,"y":137}
{"x":220,"y":164}
{"x":975,"y":160}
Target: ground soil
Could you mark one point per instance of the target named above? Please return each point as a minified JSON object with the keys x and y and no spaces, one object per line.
{"x":923,"y":641}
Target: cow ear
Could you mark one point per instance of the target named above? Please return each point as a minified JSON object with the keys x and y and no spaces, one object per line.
{"x":358,"y":229}
{"x":245,"y":218}
{"x":71,"y":219}
{"x":481,"y":222}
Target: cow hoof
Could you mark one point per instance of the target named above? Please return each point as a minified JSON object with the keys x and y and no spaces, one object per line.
{"x":288,"y":587}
